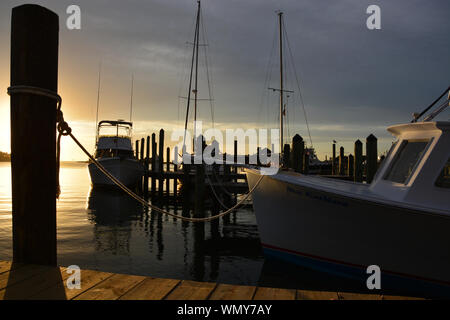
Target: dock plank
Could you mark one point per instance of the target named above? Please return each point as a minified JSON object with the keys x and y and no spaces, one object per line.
{"x":60,"y":291}
{"x":233,"y":292}
{"x":316,"y":295}
{"x":358,"y":296}
{"x":14,"y":276}
{"x":5,"y":266}
{"x":192,"y":290}
{"x":112,"y":288}
{"x":151,"y":289}
{"x":44,"y":278}
{"x":274,"y":294}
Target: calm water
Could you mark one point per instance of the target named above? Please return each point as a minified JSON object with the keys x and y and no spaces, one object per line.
{"x":108,"y":231}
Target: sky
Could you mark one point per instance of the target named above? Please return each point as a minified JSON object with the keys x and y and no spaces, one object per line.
{"x":354,"y":81}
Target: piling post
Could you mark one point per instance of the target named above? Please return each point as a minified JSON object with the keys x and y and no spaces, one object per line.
{"x":371,"y":156}
{"x":167,"y":171}
{"x":161,"y":163}
{"x":298,"y":149}
{"x":350,"y":163}
{"x":286,"y":156}
{"x":306,"y":163}
{"x":235,"y":155}
{"x":341,"y":161}
{"x":137,"y":149}
{"x":333,"y":160}
{"x":186,"y":188}
{"x":34,"y":62}
{"x":175,"y":180}
{"x":154,"y":171}
{"x":146,"y":167}
{"x":358,"y":175}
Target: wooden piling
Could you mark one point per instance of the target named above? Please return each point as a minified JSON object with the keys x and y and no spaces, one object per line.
{"x":161,"y":163}
{"x":137,"y":149}
{"x":167,"y":170}
{"x":298,"y":149}
{"x":34,"y":62}
{"x":153,"y":182}
{"x":333,"y":160}
{"x":286,"y":155}
{"x":146,"y":167}
{"x":341,"y":161}
{"x":305,"y":163}
{"x":175,"y":180}
{"x":142,"y":150}
{"x":358,"y":175}
{"x":350,"y":163}
{"x":371,"y":157}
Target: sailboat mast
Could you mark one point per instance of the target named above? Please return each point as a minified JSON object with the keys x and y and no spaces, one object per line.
{"x":196,"y":66}
{"x":190,"y":77}
{"x":98,"y":101}
{"x":280,"y":16}
{"x":131,"y":102}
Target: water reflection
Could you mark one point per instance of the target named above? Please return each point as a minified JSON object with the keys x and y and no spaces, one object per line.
{"x":119,"y":222}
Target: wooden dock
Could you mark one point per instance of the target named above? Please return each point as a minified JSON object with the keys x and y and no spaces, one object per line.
{"x":33,"y":282}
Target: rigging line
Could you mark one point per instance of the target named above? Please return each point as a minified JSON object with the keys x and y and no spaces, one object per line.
{"x":190,"y":84}
{"x":265,"y":93}
{"x":183,"y":76}
{"x":205,"y":39}
{"x":298,"y":85}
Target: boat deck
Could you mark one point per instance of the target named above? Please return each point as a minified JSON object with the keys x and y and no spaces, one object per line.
{"x":20,"y":282}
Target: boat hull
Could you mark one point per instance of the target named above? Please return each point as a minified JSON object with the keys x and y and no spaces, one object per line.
{"x":128,"y":171}
{"x":345,"y":235}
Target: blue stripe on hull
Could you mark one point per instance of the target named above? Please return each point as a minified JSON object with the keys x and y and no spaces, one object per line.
{"x":408,"y":285}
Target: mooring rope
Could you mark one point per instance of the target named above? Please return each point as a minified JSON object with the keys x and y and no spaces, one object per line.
{"x":62,"y":126}
{"x":65,"y":130}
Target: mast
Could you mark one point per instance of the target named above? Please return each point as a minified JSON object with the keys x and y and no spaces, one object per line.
{"x":194,"y":55}
{"x":196,"y":66}
{"x":98,"y":100}
{"x":131,"y":102}
{"x":280,"y":16}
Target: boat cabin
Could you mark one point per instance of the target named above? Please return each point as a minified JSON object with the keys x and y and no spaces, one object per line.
{"x":417,"y":168}
{"x":114,"y":139}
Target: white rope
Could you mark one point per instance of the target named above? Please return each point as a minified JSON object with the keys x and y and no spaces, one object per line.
{"x":153,"y":207}
{"x":65,"y":130}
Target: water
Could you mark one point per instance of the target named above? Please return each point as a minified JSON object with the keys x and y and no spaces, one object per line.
{"x":109,"y":231}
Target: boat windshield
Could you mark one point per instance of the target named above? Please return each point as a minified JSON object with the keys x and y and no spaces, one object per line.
{"x":406,"y":160}
{"x":117,"y":130}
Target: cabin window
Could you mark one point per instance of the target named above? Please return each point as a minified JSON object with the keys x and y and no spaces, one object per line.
{"x":443,"y":181}
{"x":406,"y":160}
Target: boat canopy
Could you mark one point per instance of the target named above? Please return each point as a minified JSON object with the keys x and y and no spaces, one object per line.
{"x":417,"y":167}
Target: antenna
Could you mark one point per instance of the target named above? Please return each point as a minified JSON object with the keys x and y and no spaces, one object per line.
{"x":131,"y":102}
{"x":98,"y":100}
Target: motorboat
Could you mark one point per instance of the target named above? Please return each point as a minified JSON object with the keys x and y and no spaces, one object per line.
{"x":114,"y":151}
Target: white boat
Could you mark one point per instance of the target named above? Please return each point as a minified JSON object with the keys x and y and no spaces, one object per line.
{"x":115,"y":152}
{"x":400,"y":222}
